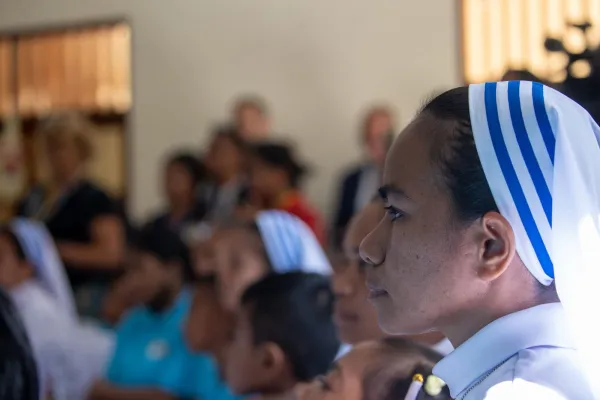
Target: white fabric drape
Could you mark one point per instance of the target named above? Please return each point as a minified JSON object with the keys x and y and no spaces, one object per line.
{"x":540,"y":152}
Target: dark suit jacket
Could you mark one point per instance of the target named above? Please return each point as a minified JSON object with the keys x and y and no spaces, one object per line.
{"x":345,"y":202}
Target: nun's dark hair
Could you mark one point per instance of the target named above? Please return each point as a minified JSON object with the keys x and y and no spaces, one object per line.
{"x":454,"y":152}
{"x":280,"y":155}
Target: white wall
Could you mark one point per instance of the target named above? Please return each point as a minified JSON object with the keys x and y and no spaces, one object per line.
{"x":316,"y":62}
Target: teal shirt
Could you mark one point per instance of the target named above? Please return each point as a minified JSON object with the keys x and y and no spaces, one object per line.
{"x":151,"y":352}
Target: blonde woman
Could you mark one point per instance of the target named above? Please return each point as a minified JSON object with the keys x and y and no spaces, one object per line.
{"x":81,"y":217}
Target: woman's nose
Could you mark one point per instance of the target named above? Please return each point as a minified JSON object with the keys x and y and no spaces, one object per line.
{"x":372,"y":248}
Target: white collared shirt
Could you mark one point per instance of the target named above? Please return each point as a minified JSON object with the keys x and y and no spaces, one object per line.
{"x":444,"y":347}
{"x":70,"y":356}
{"x":521,"y":356}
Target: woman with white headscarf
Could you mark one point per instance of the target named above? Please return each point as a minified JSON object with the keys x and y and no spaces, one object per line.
{"x":274,"y":242}
{"x":492,"y":236}
{"x":69,"y":355}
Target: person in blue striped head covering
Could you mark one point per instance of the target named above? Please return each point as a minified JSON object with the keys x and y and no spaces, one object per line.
{"x":274,"y":242}
{"x":492,"y":236}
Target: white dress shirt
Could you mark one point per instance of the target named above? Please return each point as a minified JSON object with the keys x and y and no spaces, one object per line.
{"x":444,"y":347}
{"x":527,"y":355}
{"x":70,"y":356}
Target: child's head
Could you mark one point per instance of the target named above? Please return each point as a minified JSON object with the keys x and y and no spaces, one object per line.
{"x":161,"y":266}
{"x":379,"y":370}
{"x":275,"y":241}
{"x":274,"y":168}
{"x":284,"y":334}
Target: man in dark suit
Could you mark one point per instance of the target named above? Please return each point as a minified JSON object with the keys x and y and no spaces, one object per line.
{"x":359,"y":183}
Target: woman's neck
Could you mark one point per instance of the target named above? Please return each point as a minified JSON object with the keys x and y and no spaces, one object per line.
{"x":466,"y":324}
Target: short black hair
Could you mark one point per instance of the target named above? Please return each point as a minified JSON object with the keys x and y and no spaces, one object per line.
{"x":455,"y":153}
{"x":280,"y":155}
{"x":520,"y":75}
{"x":229,"y":132}
{"x":167,"y":246}
{"x":294,"y":311}
{"x":192,"y":165}
{"x":390,"y":376}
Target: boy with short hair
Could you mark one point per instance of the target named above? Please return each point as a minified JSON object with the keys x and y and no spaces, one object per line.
{"x":284,"y":334}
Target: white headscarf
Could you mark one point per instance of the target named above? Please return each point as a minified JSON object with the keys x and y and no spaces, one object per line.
{"x":40,"y":251}
{"x":290,"y":244}
{"x":540,"y":152}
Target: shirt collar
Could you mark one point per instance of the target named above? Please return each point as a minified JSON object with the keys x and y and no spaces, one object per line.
{"x":542,"y":325}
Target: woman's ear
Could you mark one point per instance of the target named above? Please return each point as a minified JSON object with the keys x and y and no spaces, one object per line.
{"x":496,"y":246}
{"x":273,"y":360}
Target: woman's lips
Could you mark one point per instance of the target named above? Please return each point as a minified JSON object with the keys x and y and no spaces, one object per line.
{"x":376,"y":292}
{"x":342,"y":317}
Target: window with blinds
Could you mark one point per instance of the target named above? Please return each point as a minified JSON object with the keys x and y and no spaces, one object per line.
{"x":509,"y":34}
{"x":7,"y":102}
{"x":88,"y":70}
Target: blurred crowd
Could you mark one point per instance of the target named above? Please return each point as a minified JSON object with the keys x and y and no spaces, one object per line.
{"x":238,"y":288}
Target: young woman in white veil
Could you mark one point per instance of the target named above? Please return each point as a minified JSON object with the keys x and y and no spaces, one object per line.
{"x":69,"y":354}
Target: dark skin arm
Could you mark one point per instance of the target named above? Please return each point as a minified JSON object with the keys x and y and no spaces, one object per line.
{"x":106,"y":249}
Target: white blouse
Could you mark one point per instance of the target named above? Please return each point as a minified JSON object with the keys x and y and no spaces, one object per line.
{"x":522,"y":356}
{"x":70,"y":356}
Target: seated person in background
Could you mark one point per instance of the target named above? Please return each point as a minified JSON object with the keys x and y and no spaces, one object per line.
{"x":151,"y":358}
{"x":387,"y":369}
{"x":225,"y":162}
{"x":251,"y":118}
{"x":18,"y":369}
{"x":284,"y":334}
{"x":274,"y":242}
{"x":276,"y":176}
{"x":83,"y":220}
{"x":70,"y":356}
{"x":360,"y":182}
{"x":355,"y":316}
{"x":182,"y":175}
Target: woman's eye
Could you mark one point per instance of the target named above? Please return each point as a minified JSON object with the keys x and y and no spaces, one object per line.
{"x":393,"y":213}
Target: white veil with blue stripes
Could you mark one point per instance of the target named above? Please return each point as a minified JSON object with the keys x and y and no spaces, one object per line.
{"x":41,"y":252}
{"x":290,"y":244}
{"x":540,"y":152}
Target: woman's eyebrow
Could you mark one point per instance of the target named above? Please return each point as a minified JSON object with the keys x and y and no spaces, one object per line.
{"x":390,"y":190}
